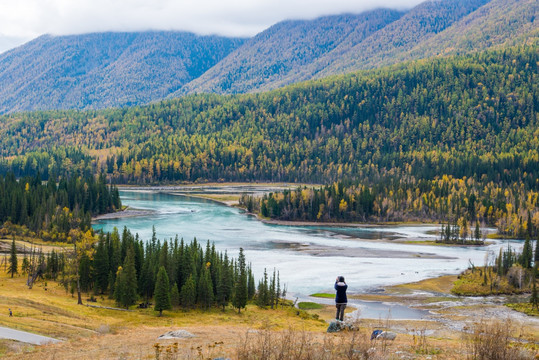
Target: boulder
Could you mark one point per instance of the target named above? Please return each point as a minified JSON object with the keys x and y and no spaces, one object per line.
{"x":387,"y":335}
{"x":176,"y":334}
{"x":337,"y":325}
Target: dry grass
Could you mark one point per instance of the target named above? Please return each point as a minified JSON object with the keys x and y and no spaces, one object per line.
{"x":287,"y":333}
{"x":442,"y":284}
{"x":497,"y":340}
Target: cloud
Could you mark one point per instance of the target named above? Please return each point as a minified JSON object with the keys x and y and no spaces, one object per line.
{"x":26,"y":19}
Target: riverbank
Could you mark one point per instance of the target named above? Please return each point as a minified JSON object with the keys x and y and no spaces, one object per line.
{"x":124,"y":213}
{"x":447,"y":313}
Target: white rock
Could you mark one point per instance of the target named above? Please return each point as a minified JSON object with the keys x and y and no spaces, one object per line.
{"x":176,"y":334}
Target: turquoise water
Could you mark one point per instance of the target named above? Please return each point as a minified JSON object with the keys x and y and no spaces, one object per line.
{"x":308,"y":258}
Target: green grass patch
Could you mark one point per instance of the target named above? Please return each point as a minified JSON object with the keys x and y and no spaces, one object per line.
{"x":525,"y":308}
{"x":476,"y":283}
{"x":308,"y":305}
{"x":323,"y":295}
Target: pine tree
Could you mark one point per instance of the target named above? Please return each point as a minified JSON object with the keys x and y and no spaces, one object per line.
{"x":101,"y":266}
{"x":263,"y":295}
{"x":13,"y":262}
{"x":162,"y":291}
{"x":188,"y":293}
{"x":119,"y":286}
{"x":536,"y":258}
{"x":125,"y":291}
{"x":224,"y":289}
{"x":130,"y":279}
{"x":534,"y":300}
{"x":277,"y":290}
{"x":527,"y":254}
{"x":240,"y":296}
{"x":477,"y":232}
{"x":112,"y":286}
{"x":251,"y":289}
{"x":25,"y":265}
{"x":175,"y":296}
{"x":205,"y":288}
{"x":272,"y":289}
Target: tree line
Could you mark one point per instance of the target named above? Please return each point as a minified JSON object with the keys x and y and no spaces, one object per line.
{"x":52,"y":209}
{"x":173,"y":273}
{"x":462,"y":202}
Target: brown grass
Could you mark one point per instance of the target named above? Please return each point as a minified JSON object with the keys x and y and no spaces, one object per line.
{"x":287,"y":333}
{"x":442,"y":284}
{"x":497,"y":340}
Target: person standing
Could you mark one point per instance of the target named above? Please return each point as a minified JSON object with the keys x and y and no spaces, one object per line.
{"x":340,"y":297}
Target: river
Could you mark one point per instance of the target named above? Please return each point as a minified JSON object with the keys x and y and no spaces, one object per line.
{"x":308,"y":258}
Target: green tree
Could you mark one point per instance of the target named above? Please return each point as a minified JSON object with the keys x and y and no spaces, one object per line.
{"x":126,"y":282}
{"x":101,"y":266}
{"x":25,"y":265}
{"x":205,"y":289}
{"x":534,"y":300}
{"x":175,"y":295}
{"x":162,"y":291}
{"x":240,"y":295}
{"x":527,"y":254}
{"x":225,"y":284}
{"x":13,"y":267}
{"x":188,"y":293}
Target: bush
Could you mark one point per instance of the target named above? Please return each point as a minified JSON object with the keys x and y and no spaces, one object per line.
{"x":492,"y":340}
{"x":294,"y":344}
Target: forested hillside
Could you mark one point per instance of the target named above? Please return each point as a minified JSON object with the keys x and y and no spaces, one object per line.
{"x":498,"y":23}
{"x":473,"y":116}
{"x":415,"y":27}
{"x":101,"y":70}
{"x":283,"y":49}
{"x":52,"y":210}
{"x":376,"y":38}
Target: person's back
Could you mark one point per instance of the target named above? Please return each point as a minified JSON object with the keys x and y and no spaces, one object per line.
{"x":340,"y":298}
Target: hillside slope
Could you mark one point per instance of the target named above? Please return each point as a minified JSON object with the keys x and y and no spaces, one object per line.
{"x":101,"y":70}
{"x":385,"y":46}
{"x":498,"y":23}
{"x":470,"y":116}
{"x":285,"y":48}
{"x":432,"y":28}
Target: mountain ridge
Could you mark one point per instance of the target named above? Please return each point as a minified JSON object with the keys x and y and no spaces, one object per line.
{"x":100,"y":70}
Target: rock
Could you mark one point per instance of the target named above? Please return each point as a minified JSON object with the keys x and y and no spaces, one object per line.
{"x":387,"y":335}
{"x":336,"y":326}
{"x":176,"y":334}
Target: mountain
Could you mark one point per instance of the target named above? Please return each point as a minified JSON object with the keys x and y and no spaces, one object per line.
{"x":285,"y":48}
{"x":95,"y":71}
{"x":386,"y":46}
{"x":381,"y":37}
{"x":105,"y":69}
{"x":498,"y":23}
{"x":373,"y":39}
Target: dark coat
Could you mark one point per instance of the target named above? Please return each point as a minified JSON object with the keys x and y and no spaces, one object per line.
{"x":340,"y":298}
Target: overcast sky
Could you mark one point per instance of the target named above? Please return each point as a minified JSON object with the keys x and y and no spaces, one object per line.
{"x":23,"y":20}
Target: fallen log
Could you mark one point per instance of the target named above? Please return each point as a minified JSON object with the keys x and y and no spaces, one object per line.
{"x":107,"y":307}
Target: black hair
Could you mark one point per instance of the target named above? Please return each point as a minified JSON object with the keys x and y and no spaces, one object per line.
{"x":341,"y":278}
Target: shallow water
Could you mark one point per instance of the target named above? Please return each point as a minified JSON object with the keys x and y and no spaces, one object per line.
{"x":308,"y":258}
